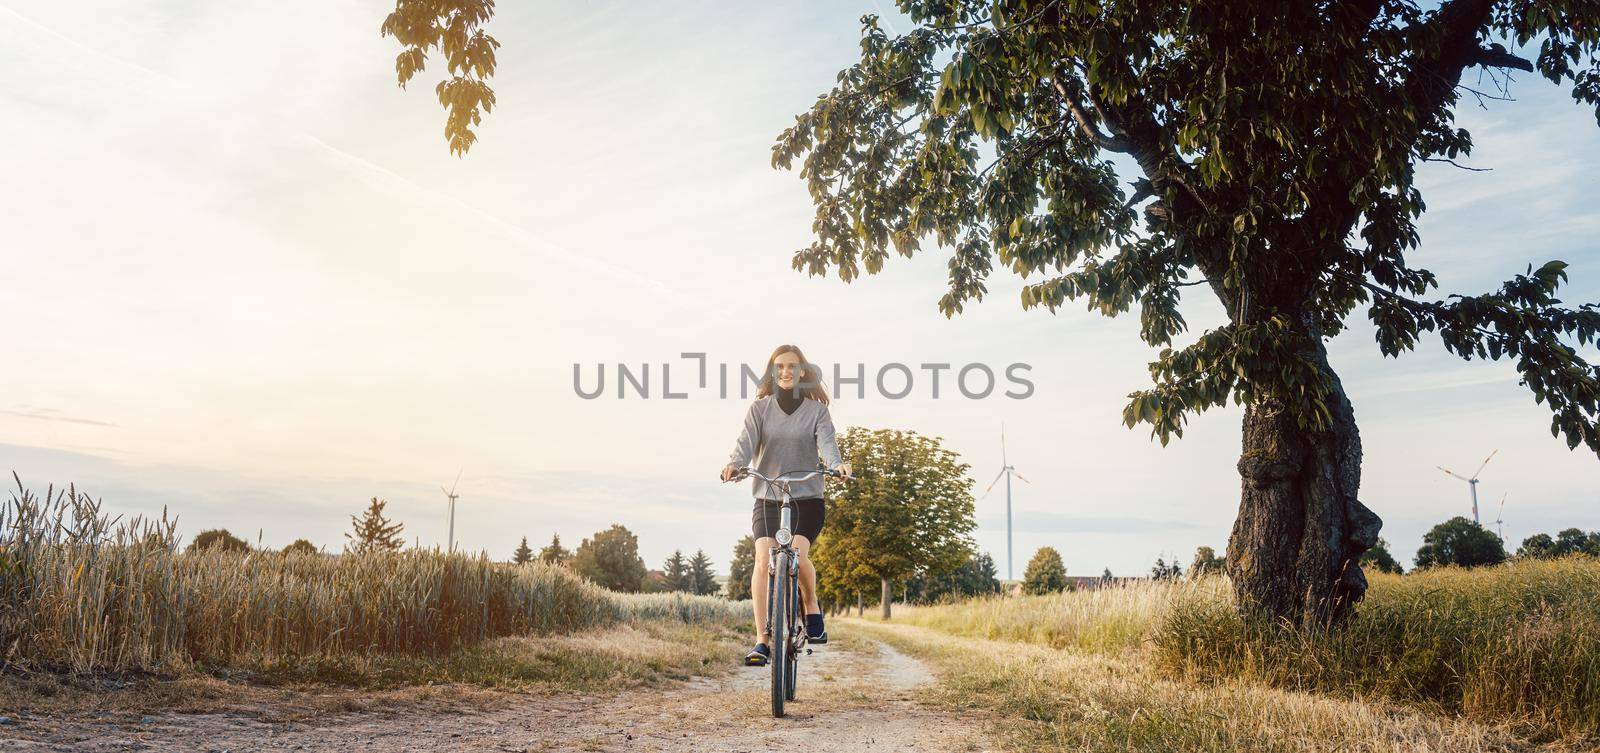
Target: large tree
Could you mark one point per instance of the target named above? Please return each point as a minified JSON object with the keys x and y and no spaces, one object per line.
{"x":1130,"y":150}
{"x":1460,"y":542}
{"x":908,"y":512}
{"x":611,"y":559}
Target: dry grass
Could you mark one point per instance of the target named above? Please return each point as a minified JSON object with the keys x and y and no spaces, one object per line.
{"x":1087,"y":702}
{"x":1516,"y":647}
{"x":83,"y":593}
{"x":1517,"y":644}
{"x":1108,"y":620}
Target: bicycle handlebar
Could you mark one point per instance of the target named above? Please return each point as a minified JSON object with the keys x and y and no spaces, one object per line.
{"x":784,"y":478}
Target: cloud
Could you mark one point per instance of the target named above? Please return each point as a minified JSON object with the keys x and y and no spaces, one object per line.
{"x":50,"y":414}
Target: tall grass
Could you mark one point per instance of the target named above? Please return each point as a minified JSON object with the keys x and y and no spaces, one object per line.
{"x":1106,"y":620}
{"x":82,"y":591}
{"x":1518,"y":643}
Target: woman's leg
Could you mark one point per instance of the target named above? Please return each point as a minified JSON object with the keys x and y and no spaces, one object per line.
{"x":758,"y":588}
{"x":808,"y":576}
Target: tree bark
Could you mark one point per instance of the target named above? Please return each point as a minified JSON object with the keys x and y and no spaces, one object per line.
{"x":861,"y":605}
{"x":888,"y":597}
{"x":1296,"y":546}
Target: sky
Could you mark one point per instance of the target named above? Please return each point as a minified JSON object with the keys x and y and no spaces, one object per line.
{"x":248,"y":284}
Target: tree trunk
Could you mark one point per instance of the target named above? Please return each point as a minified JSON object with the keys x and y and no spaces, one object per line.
{"x":861,"y":605}
{"x":1296,"y":545}
{"x":888,"y":597}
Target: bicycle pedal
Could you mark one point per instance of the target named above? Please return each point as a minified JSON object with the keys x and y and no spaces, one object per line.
{"x":808,"y":652}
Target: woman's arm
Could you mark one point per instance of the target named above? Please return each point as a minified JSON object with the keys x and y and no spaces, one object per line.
{"x":827,"y":443}
{"x":744,"y":450}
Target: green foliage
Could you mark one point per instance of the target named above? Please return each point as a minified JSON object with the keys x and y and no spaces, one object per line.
{"x":1205,"y":562}
{"x":301,"y":546}
{"x":524,"y":554}
{"x":218,"y":538}
{"x":452,"y":27}
{"x":1046,"y":574}
{"x":740,"y":570}
{"x":702,"y":579}
{"x":611,"y":559}
{"x":555,"y":554}
{"x":1568,"y":542}
{"x":373,"y":532}
{"x":1274,"y":149}
{"x":1462,"y":542}
{"x":676,"y":572}
{"x":976,"y":577}
{"x":908,"y":512}
{"x":1379,"y":558}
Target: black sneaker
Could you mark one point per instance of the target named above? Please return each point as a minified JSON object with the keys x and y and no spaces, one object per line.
{"x":758,"y":656}
{"x":814,"y":631}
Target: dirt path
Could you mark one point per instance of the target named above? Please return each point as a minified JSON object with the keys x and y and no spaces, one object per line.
{"x":853,"y":697}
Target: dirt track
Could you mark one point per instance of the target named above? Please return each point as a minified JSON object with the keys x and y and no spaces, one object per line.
{"x":857,"y":700}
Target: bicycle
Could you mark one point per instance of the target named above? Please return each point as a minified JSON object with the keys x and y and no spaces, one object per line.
{"x":785,"y":613}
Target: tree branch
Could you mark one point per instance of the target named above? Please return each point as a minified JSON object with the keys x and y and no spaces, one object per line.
{"x":1495,"y":56}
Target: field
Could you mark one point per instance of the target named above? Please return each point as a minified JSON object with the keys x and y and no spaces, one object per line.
{"x":1506,"y":658}
{"x":82,"y":595}
{"x":99,"y":616}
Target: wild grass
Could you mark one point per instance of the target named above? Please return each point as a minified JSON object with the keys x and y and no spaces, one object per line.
{"x":1518,"y":644}
{"x":1112,"y":619}
{"x":1045,"y":699}
{"x":1515,"y":646}
{"x":83,"y":592}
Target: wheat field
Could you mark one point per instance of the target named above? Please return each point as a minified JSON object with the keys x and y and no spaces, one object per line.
{"x":81,"y":591}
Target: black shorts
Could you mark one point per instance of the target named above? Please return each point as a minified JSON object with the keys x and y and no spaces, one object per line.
{"x":805,"y":519}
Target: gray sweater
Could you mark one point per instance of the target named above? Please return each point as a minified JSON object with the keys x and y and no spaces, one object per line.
{"x":784,"y":443}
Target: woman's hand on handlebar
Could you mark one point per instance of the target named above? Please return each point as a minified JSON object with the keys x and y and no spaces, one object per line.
{"x":728,"y":472}
{"x":843,"y":469}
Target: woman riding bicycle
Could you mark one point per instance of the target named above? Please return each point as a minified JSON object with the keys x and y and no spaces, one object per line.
{"x":786,"y":429}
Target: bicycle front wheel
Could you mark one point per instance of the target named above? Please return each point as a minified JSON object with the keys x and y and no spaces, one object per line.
{"x":791,"y":673}
{"x":778,"y":595}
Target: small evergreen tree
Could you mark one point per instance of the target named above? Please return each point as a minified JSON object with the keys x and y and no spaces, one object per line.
{"x":300,"y":546}
{"x":218,"y":538}
{"x":373,"y":532}
{"x":524,"y":554}
{"x":676,"y":571}
{"x":740,"y":570}
{"x":702,"y":579}
{"x":555,"y":554}
{"x":1105,"y":577}
{"x":1046,"y":573}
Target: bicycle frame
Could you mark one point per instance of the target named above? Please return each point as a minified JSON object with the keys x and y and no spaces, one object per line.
{"x":784,"y":610}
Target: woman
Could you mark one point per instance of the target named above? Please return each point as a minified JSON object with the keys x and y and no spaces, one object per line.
{"x":786,"y":429}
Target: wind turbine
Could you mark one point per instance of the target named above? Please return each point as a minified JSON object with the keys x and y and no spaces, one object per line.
{"x":1471,"y":482}
{"x":1007,"y":470}
{"x":1499,"y":528}
{"x":452,"y":497}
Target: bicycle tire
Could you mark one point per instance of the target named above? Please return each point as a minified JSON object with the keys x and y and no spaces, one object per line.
{"x":779,"y":608}
{"x":792,"y":672}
